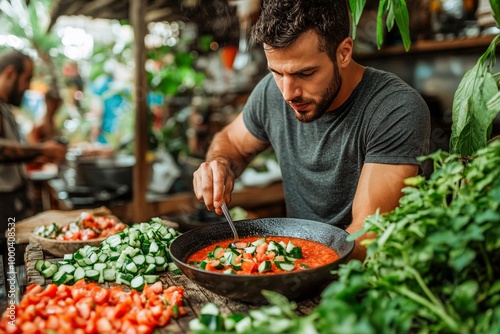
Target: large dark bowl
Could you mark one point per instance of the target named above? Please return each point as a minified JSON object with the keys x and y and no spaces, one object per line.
{"x":247,"y":288}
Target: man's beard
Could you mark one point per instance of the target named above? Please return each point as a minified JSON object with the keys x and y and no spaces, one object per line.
{"x":329,"y":94}
{"x":15,"y":96}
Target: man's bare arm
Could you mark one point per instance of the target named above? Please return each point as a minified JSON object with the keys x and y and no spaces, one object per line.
{"x":229,"y":154}
{"x":11,"y":151}
{"x":49,"y":151}
{"x":235,"y":146}
{"x":379,"y":187}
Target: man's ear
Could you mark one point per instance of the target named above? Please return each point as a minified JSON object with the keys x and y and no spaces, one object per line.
{"x":9,"y":71}
{"x":344,"y":52}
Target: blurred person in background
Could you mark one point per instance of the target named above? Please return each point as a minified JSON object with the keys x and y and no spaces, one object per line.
{"x":16,"y":72}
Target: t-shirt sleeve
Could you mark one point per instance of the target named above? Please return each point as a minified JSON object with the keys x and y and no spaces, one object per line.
{"x":400,"y":129}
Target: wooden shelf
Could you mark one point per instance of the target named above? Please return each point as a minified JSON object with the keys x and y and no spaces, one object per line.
{"x":430,"y":47}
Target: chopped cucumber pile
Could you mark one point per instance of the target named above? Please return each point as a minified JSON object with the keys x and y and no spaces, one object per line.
{"x":134,"y":256}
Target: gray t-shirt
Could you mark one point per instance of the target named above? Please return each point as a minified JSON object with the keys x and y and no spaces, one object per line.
{"x":383,"y":121}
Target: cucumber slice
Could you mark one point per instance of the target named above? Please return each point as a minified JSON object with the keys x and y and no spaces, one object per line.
{"x":79,"y":273}
{"x":150,"y":269}
{"x":150,"y":279}
{"x":39,"y":265}
{"x":286,"y":266}
{"x":137,"y":283}
{"x":51,"y":270}
{"x":159,"y":260}
{"x":68,"y":257}
{"x":109,"y":275}
{"x":67,"y":268}
{"x":264,"y":266}
{"x":59,"y":277}
{"x":259,"y":241}
{"x":92,"y":274}
{"x":131,"y":268}
{"x":139,"y":259}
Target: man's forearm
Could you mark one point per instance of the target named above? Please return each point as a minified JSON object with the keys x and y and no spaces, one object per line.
{"x":11,"y":151}
{"x":222,"y":150}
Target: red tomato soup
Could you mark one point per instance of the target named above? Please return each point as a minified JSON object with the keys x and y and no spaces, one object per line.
{"x":280,"y":254}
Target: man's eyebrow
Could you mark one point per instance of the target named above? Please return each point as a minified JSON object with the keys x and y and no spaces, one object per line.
{"x":302,"y":70}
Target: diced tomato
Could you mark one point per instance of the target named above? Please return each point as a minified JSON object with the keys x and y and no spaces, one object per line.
{"x":156,"y":287}
{"x":100,"y":295}
{"x":104,"y":326}
{"x":84,"y":307}
{"x":88,"y":234}
{"x":121,"y":309}
{"x":174,"y":295}
{"x":96,"y":310}
{"x":240,"y":244}
{"x":33,"y":289}
{"x":29,"y":327}
{"x":156,"y":311}
{"x":52,"y":322}
{"x":50,"y":291}
{"x":145,"y":317}
{"x":248,"y":267}
{"x":261,"y":249}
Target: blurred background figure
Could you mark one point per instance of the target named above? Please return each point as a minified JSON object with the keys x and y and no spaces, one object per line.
{"x":16,"y":72}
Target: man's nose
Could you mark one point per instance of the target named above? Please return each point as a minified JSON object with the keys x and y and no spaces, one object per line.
{"x":290,"y":88}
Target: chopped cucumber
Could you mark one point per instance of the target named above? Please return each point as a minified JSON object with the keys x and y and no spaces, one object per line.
{"x":92,"y":274}
{"x":137,"y":283}
{"x":264,"y":266}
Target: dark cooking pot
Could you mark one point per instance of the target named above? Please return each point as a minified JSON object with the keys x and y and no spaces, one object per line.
{"x":247,"y":288}
{"x":106,"y":172}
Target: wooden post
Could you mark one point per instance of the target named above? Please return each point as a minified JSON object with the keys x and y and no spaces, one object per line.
{"x":137,"y":14}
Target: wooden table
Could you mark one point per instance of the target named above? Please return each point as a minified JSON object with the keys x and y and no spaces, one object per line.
{"x":195,"y":296}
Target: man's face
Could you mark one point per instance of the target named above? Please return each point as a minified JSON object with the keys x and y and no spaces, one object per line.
{"x":20,"y":84}
{"x":307,"y":78}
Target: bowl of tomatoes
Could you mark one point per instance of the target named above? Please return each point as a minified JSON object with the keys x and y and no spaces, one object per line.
{"x":294,"y":257}
{"x":59,"y":238}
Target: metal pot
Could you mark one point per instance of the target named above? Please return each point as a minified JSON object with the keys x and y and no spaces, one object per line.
{"x":247,"y":288}
{"x":105,"y":173}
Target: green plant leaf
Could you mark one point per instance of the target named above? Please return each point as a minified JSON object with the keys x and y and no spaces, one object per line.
{"x":357,"y":7}
{"x":495,"y":9}
{"x":380,"y":23}
{"x":472,"y":119}
{"x":402,"y":19}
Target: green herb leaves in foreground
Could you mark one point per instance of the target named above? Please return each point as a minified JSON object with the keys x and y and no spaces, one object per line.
{"x":433,"y":267}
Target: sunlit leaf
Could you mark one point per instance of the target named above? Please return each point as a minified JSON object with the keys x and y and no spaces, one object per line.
{"x":472,"y":119}
{"x":380,"y":23}
{"x":357,"y":7}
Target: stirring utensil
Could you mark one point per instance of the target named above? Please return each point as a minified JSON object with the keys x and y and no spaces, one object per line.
{"x":230,"y":221}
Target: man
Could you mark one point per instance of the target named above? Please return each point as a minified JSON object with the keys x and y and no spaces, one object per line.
{"x":346,"y":136}
{"x":16,"y":71}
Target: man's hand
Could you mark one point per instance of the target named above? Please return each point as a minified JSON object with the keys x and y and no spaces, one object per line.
{"x":52,"y":151}
{"x":213,"y":184}
{"x":231,"y":150}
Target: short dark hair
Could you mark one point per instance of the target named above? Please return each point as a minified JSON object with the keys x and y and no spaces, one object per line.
{"x":281,"y":22}
{"x":15,"y":58}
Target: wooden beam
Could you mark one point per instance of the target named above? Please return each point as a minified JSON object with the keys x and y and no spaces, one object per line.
{"x":137,"y":14}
